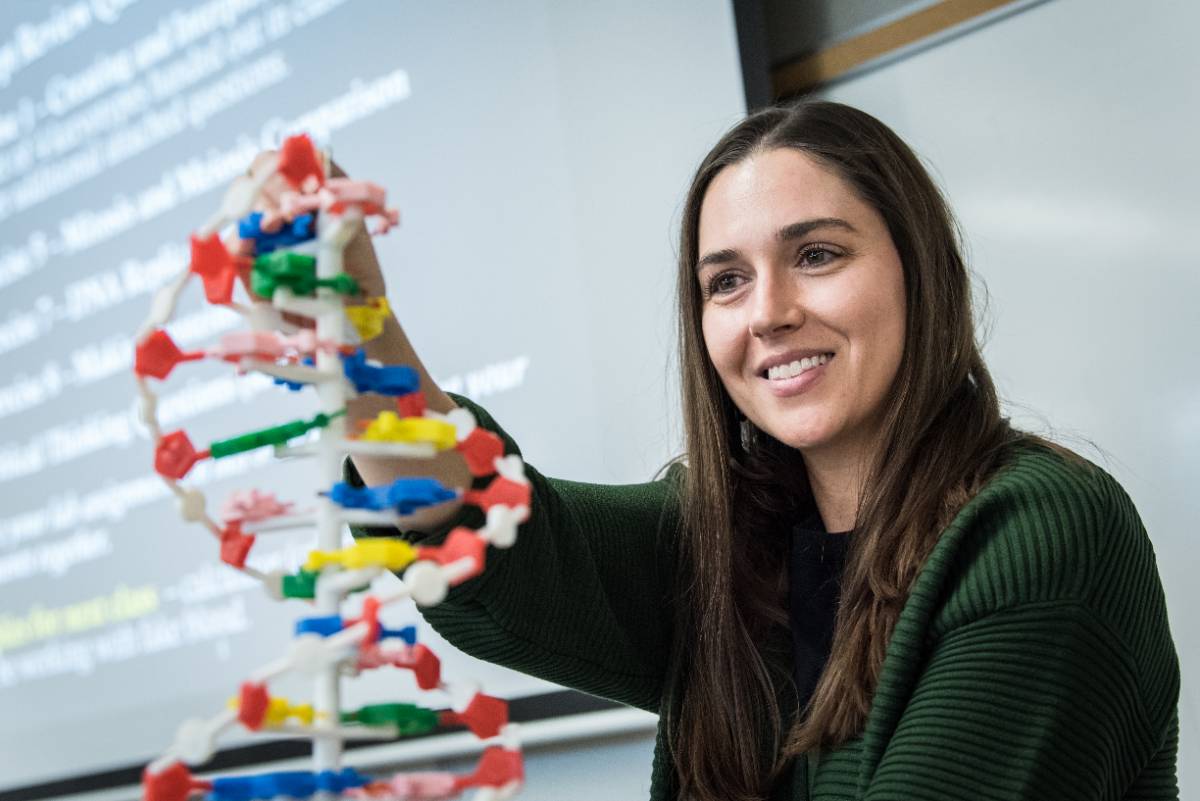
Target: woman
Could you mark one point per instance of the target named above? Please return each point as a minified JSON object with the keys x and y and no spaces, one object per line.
{"x":859,"y":582}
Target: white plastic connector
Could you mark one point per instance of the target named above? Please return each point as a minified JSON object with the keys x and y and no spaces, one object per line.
{"x":512,"y":468}
{"x":194,"y":741}
{"x":338,"y":233}
{"x":162,"y":308}
{"x":502,"y":522}
{"x":273,"y":584}
{"x":148,"y":409}
{"x":311,"y":653}
{"x":191,"y":505}
{"x":291,"y":372}
{"x":288,"y":301}
{"x":510,"y":736}
{"x":426,"y":583}
{"x":463,"y":421}
{"x":262,"y":316}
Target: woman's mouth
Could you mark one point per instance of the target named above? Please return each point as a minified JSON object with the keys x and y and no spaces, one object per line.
{"x":783,"y":372}
{"x":785,"y":380}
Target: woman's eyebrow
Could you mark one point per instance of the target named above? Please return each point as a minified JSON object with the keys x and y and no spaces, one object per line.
{"x":797,"y":230}
{"x":802,"y":229}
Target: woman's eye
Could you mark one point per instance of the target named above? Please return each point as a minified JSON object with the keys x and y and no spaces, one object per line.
{"x":723,"y":284}
{"x":816,"y":256}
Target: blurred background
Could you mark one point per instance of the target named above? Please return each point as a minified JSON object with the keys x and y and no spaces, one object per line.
{"x":539,"y":153}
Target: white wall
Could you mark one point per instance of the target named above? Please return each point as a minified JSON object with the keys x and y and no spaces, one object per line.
{"x":1065,"y":137}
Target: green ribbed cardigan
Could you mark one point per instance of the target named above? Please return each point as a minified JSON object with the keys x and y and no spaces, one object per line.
{"x":1032,"y":660}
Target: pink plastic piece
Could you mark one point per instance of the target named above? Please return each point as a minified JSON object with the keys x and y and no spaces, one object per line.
{"x":235,"y":545}
{"x":501,"y":492}
{"x":252,"y":506}
{"x":480,"y":450}
{"x":300,"y":164}
{"x":257,"y":344}
{"x":424,"y":664}
{"x":411,"y":787}
{"x":157,"y":355}
{"x":463,"y":543}
{"x":340,"y":194}
{"x":215,"y":266}
{"x":484,"y":716}
{"x":252,"y":705}
{"x":174,"y":455}
{"x":175,"y":783}
{"x":497,"y":767}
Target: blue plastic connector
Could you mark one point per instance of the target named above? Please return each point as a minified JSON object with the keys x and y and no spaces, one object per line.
{"x":393,"y":380}
{"x":300,"y":229}
{"x":292,"y":784}
{"x":404,"y":495}
{"x":324,"y":625}
{"x":408,"y":634}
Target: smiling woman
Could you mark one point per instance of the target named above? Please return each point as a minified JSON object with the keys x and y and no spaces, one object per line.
{"x":803,"y":321}
{"x":986,"y":617}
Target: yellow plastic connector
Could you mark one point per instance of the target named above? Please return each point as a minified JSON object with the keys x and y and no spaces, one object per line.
{"x":281,"y":710}
{"x":391,"y":427}
{"x":368,"y":319}
{"x":367,"y":552}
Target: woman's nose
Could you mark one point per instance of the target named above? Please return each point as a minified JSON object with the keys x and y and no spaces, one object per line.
{"x":775,"y":309}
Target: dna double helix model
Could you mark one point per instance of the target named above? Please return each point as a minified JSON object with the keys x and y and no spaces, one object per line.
{"x":290,"y":257}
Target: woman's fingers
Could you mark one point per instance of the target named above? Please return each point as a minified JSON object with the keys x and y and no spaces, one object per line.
{"x":360,"y":260}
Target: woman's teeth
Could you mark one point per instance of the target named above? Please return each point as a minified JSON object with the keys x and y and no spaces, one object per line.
{"x":794,"y":369}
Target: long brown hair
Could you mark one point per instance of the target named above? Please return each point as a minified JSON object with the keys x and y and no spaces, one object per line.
{"x":943,"y":437}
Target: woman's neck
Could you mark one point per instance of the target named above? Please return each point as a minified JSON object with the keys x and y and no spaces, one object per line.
{"x":836,"y":479}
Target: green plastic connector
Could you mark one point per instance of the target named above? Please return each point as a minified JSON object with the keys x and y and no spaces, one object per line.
{"x":275,"y":435}
{"x":300,"y":585}
{"x":341,"y":283}
{"x":407,"y":718}
{"x":296,"y":271}
{"x":303,"y":584}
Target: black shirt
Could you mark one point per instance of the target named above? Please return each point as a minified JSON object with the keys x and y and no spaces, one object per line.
{"x":814,"y":586}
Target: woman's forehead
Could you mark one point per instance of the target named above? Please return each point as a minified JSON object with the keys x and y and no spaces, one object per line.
{"x":772,"y":189}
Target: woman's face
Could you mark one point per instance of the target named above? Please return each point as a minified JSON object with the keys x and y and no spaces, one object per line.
{"x":803,"y":301}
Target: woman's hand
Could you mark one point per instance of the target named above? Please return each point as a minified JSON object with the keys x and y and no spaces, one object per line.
{"x":391,"y":347}
{"x":359,"y":259}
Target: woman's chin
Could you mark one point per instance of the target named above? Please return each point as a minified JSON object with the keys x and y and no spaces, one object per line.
{"x":800,"y":438}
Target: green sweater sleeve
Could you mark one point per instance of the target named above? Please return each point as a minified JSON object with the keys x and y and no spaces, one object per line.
{"x":1038,"y":650}
{"x":1034,"y":702}
{"x":582,"y":598}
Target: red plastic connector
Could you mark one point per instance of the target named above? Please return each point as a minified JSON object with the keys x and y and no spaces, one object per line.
{"x":235,"y":545}
{"x":426,"y":667}
{"x":484,"y":716}
{"x":157,"y":355}
{"x":174,"y":455}
{"x":480,"y":450}
{"x":463,"y":543}
{"x":300,"y":164}
{"x":216,"y":268}
{"x":497,"y":767}
{"x":501,"y":492}
{"x":370,"y":616}
{"x":175,"y":783}
{"x":252,"y":705}
{"x":411,"y":405}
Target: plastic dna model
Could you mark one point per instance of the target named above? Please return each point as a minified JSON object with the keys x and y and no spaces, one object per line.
{"x":297,"y":263}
